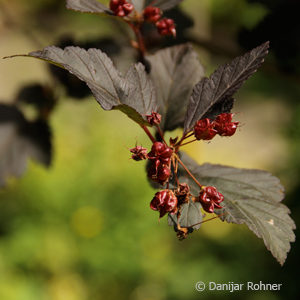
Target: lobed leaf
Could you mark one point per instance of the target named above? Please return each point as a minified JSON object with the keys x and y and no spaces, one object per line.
{"x":211,"y":94}
{"x":88,"y":6}
{"x":134,"y":95}
{"x":174,"y":72}
{"x":163,"y":4}
{"x":189,"y":216}
{"x":252,"y":197}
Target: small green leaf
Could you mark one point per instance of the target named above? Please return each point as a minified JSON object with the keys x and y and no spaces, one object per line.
{"x":252,"y":197}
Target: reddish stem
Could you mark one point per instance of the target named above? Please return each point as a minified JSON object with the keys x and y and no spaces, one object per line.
{"x":188,"y":142}
{"x":151,"y":137}
{"x":161,"y":134}
{"x":187,"y":170}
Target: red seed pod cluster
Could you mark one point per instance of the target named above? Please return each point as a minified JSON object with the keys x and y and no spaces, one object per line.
{"x":206,"y":129}
{"x":139,"y":153}
{"x":165,"y":202}
{"x":154,"y":118}
{"x":121,"y":8}
{"x":152,"y":14}
{"x":210,"y":198}
{"x":166,"y":27}
{"x":224,"y":125}
{"x":160,"y":157}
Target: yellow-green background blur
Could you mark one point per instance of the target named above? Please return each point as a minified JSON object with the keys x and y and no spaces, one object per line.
{"x":82,"y":229}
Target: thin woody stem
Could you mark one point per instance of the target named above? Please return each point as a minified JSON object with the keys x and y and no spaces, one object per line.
{"x":175,"y":172}
{"x":151,"y":137}
{"x":188,"y":142}
{"x":187,"y":170}
{"x":161,"y":133}
{"x":205,"y":221}
{"x":184,"y":137}
{"x":139,"y":37}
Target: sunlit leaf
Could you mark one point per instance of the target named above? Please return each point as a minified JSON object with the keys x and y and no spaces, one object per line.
{"x":252,"y":197}
{"x":220,"y":87}
{"x":164,"y":4}
{"x":134,"y":94}
{"x":88,"y":6}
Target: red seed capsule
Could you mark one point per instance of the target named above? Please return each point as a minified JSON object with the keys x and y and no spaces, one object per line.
{"x":164,"y":201}
{"x":121,"y":8}
{"x":139,"y":153}
{"x":204,"y":129}
{"x":166,"y":27}
{"x":154,"y":118}
{"x":210,"y":198}
{"x":224,"y":125}
{"x":152,"y":14}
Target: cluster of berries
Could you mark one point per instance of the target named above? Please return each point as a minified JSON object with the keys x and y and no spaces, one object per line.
{"x":206,"y":129}
{"x":164,"y":26}
{"x":167,"y":201}
{"x":121,"y":8}
{"x":161,"y":156}
{"x":160,"y":161}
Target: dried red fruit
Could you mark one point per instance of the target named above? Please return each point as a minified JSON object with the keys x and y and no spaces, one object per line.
{"x":152,"y":14}
{"x":160,"y":151}
{"x":182,"y":193}
{"x":224,"y":125}
{"x":139,"y":153}
{"x":121,"y":8}
{"x":183,"y":189}
{"x":164,"y":201}
{"x":210,"y":198}
{"x":159,"y":172}
{"x":154,"y":118}
{"x":204,"y":129}
{"x":166,"y":27}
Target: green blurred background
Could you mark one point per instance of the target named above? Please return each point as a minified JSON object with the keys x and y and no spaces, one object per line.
{"x":82,"y":228}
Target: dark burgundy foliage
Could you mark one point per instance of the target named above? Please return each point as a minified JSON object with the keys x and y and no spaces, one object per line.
{"x":166,"y":91}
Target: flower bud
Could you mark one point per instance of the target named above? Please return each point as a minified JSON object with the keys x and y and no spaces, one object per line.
{"x":164,"y":201}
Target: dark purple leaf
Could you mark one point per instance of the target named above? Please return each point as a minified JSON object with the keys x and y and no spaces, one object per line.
{"x":21,"y":140}
{"x":133,"y":94}
{"x":252,"y":197}
{"x":88,"y":6}
{"x":163,"y":4}
{"x":174,"y":72}
{"x":222,"y":84}
{"x":190,"y":214}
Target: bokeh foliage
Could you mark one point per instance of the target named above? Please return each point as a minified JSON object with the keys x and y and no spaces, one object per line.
{"x":82,"y":229}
